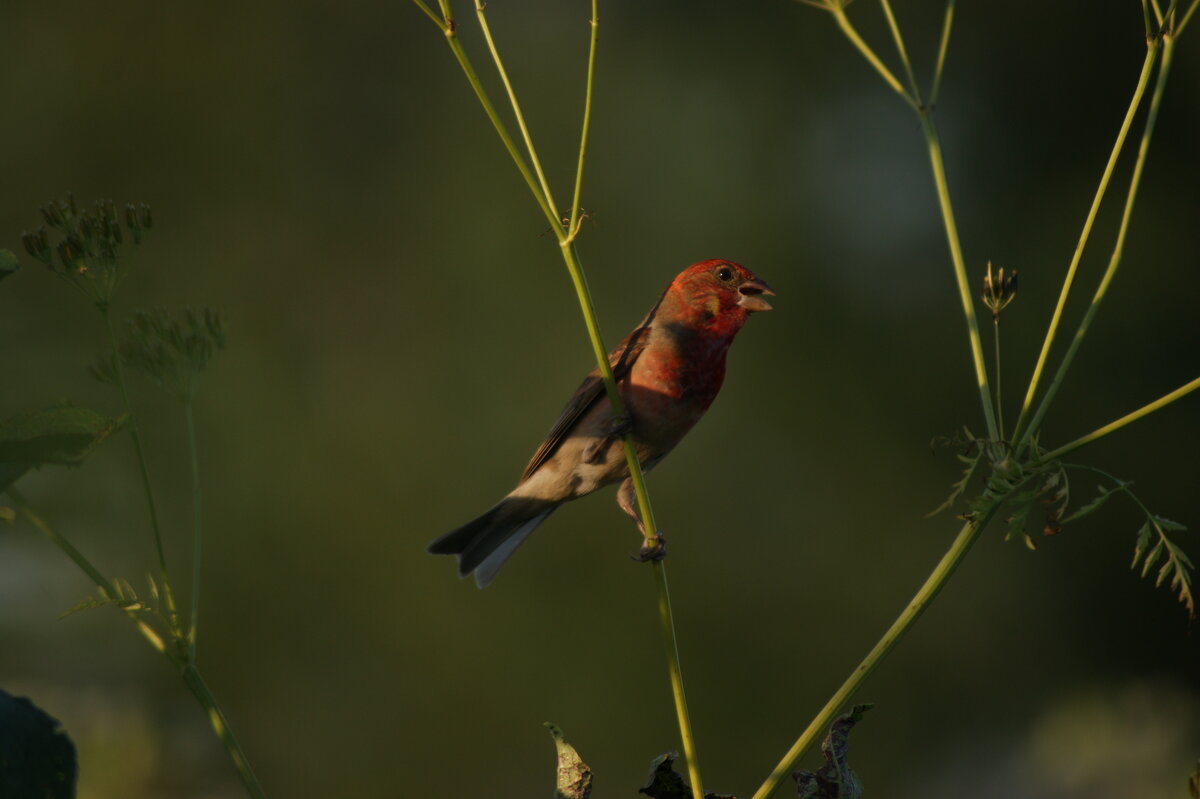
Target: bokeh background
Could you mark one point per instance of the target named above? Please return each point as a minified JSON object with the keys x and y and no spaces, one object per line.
{"x":403,"y":333}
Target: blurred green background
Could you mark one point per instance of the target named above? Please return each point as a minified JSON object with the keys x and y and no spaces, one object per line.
{"x":402,"y":334}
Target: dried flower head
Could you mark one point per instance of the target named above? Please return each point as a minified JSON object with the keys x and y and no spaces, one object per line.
{"x":998,"y":290}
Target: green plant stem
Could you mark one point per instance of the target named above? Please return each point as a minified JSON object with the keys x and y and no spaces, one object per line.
{"x":216,"y":717}
{"x":197,"y":529}
{"x":1119,"y":247}
{"x":85,"y":565}
{"x":574,"y":222}
{"x":914,"y":89}
{"x":566,"y":237}
{"x":960,"y":270}
{"x":1101,"y":432}
{"x":667,"y":618}
{"x":999,"y":398}
{"x":839,"y":16}
{"x":119,"y":373}
{"x":950,"y":561}
{"x":187,"y":667}
{"x":516,"y":108}
{"x":933,"y":145}
{"x":450,"y":32}
{"x":943,"y":45}
{"x":1136,"y":101}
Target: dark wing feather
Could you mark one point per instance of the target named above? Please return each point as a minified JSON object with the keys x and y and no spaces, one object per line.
{"x":621,"y":359}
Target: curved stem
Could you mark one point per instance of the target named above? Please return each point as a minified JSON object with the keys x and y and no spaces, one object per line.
{"x":924,"y":596}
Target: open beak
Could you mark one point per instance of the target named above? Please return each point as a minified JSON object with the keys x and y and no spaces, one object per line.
{"x":752,"y":292}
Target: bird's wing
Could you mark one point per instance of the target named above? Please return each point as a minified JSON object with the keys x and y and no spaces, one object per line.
{"x":621,"y":359}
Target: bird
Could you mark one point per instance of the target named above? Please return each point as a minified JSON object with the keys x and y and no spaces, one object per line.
{"x":668,"y":372}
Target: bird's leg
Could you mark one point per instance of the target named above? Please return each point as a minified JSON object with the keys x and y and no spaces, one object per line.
{"x":614,"y":429}
{"x":654,"y":546}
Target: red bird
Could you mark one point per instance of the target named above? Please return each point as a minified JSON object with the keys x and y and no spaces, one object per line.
{"x":668,"y":371}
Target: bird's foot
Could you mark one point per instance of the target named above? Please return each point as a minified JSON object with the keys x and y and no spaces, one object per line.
{"x":615,"y":429}
{"x":654,"y":548}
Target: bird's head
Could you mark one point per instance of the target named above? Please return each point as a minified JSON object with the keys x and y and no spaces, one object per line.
{"x":719,"y":289}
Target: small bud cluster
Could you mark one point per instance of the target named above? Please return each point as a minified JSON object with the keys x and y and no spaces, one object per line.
{"x":998,"y":290}
{"x":171,"y":352}
{"x":85,"y":253}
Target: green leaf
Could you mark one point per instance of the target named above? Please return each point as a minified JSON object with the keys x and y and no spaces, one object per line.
{"x":1093,"y":505}
{"x":37,"y":759}
{"x":834,"y":780}
{"x":63,"y":434}
{"x":1143,"y":541}
{"x":574,"y":780}
{"x":8,"y":264}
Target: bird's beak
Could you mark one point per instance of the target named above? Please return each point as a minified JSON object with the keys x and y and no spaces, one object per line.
{"x":752,"y":292}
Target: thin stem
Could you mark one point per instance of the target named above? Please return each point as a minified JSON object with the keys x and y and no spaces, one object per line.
{"x":1187,"y":16}
{"x":941,"y":57}
{"x":501,"y":130}
{"x":1118,"y":248}
{"x":915,"y":90}
{"x":516,"y":107}
{"x":220,"y":725}
{"x":541,"y":192}
{"x":1101,"y":432}
{"x":119,"y":373}
{"x":943,"y":192}
{"x":924,"y":596}
{"x":999,"y":398}
{"x":667,"y":618}
{"x":197,"y":529}
{"x":839,"y":15}
{"x":429,"y":13}
{"x":573,"y":224}
{"x":85,"y":565}
{"x":960,"y":270}
{"x":1143,"y":80}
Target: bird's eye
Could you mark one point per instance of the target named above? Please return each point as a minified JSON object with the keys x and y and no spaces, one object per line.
{"x":725,"y":274}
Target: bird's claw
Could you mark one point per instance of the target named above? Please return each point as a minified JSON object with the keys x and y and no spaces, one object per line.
{"x":654,"y":548}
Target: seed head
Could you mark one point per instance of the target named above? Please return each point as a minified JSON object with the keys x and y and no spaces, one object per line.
{"x":998,"y":290}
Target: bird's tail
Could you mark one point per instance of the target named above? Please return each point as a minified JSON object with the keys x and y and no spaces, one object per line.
{"x":484,"y":544}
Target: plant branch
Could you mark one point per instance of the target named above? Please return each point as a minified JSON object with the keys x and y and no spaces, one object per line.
{"x":1117,"y":424}
{"x":574,"y":222}
{"x":941,"y":57}
{"x":220,"y":725}
{"x":516,"y":107}
{"x":914,"y":89}
{"x":1143,"y":80}
{"x":1119,"y":247}
{"x":839,"y":16}
{"x":925,"y":595}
